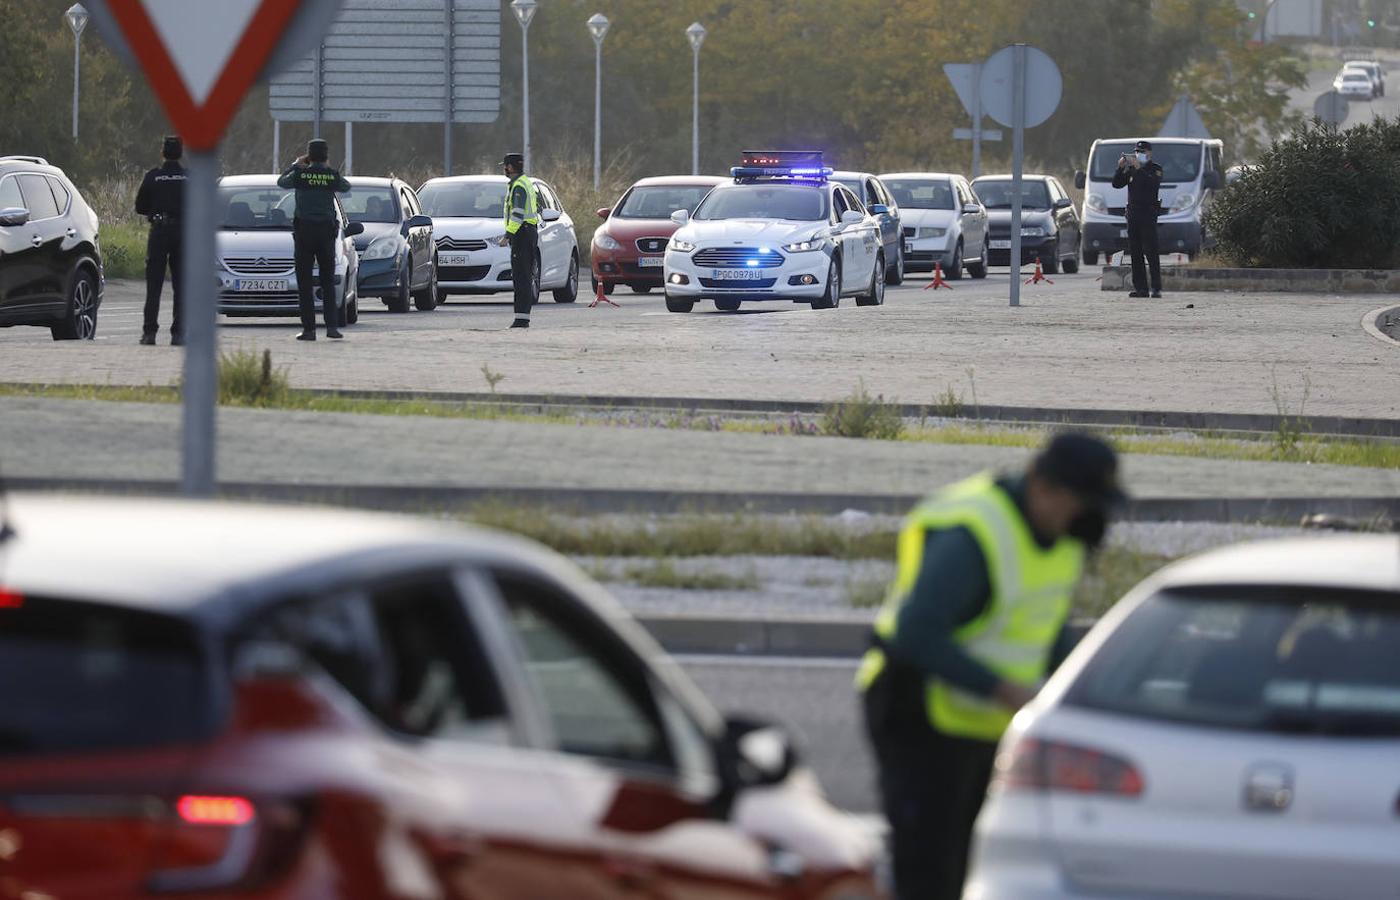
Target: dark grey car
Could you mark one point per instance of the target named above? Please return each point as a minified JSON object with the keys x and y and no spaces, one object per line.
{"x":397,"y":259}
{"x":872,"y":192}
{"x":1050,"y":227}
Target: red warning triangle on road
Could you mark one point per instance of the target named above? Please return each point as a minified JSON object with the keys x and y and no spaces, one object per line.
{"x":201,"y":56}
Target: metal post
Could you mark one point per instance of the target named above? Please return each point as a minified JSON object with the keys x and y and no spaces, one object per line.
{"x":277,"y":145}
{"x":525,"y":87}
{"x":349,"y":148}
{"x":77,"y":57}
{"x":695,"y":119}
{"x":197,"y":293}
{"x":597,"y":115}
{"x":1018,"y":134}
{"x":318,"y":90}
{"x":976,"y":119}
{"x":449,"y":47}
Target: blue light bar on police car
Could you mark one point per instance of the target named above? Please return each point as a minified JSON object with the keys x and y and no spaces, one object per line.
{"x":782,"y":164}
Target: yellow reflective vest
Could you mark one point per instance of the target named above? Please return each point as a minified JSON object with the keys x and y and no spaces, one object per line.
{"x":1030,"y":600}
{"x":528,"y":214}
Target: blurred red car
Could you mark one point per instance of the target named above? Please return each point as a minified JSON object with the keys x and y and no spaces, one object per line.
{"x":628,"y":248}
{"x":220,"y":700}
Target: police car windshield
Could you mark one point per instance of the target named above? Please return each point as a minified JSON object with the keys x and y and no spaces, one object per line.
{"x":660,"y":201}
{"x":1179,"y":162}
{"x":794,"y":202}
{"x":920,"y":193}
{"x":257,"y":208}
{"x":465,"y":200}
{"x":370,"y":204}
{"x":998,"y":194}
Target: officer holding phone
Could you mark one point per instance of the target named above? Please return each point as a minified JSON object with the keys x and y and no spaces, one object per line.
{"x":1143,"y":178}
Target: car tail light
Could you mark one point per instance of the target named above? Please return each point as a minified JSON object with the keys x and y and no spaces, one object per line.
{"x":219,"y":842}
{"x":11,"y":599}
{"x":199,"y":810}
{"x":1032,"y":764}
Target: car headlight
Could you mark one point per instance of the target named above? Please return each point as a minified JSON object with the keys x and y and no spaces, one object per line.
{"x":1033,"y":231}
{"x":811,"y":243}
{"x":606,"y":242}
{"x":1183,"y":201}
{"x":680,"y":246}
{"x":382,"y":248}
{"x":932,"y":232}
{"x":1095,"y":202}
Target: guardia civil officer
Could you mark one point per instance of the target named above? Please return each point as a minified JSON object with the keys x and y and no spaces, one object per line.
{"x":314,"y":231}
{"x":1142,"y":177}
{"x":522,"y":221}
{"x":161,"y":198}
{"x":969,"y":630}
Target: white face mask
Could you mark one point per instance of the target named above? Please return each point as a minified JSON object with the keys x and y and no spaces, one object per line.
{"x":1141,"y":157}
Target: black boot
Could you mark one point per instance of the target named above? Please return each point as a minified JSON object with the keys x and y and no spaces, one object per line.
{"x":334,"y":334}
{"x":307,"y":334}
{"x":520,"y":323}
{"x":148,"y":340}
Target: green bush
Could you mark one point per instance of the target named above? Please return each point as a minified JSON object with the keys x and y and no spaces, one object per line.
{"x":123,"y":249}
{"x":1319,"y":198}
{"x":247,"y":379}
{"x":863,"y":416}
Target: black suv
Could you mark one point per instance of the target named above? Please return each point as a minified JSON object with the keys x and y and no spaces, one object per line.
{"x":50,"y":261}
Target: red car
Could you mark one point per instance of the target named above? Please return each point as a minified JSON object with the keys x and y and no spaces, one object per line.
{"x":628,"y":248}
{"x":212,"y":701}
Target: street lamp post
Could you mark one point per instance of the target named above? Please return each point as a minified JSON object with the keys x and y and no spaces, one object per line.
{"x":696,"y":32}
{"x":77,"y":18}
{"x":525,"y":11}
{"x":598,"y":27}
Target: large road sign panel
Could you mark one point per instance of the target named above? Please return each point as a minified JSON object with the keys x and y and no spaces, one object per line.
{"x":1043,"y":86}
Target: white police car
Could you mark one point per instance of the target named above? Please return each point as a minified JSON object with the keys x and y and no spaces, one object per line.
{"x":780,"y":231}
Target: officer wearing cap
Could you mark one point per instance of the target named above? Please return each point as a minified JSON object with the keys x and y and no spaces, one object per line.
{"x":160,"y":199}
{"x":971,"y":626}
{"x":315,"y":229}
{"x":522,"y":222}
{"x":1142,"y":177}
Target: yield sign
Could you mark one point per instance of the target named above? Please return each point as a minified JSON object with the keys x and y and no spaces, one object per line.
{"x":201,"y":56}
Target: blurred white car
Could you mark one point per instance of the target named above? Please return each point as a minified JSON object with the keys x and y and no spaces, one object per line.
{"x":1230,"y":729}
{"x":1371,"y":68}
{"x":944,"y":223}
{"x":468,"y":218}
{"x":1354,"y":84}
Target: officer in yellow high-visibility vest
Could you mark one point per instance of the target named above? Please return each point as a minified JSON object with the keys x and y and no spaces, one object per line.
{"x":522,"y":221}
{"x":972,"y":622}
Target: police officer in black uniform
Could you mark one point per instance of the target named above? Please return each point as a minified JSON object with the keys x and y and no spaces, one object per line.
{"x":160,"y":199}
{"x":1142,"y":177}
{"x":315,"y":230}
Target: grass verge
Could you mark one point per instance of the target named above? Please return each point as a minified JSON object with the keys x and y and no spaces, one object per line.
{"x":665,"y":574}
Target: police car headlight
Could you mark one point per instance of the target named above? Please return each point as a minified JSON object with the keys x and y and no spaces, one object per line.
{"x":1095,"y":202}
{"x":680,"y":246}
{"x":606,"y":242}
{"x":803,"y":246}
{"x":1183,"y":201}
{"x":383,"y":248}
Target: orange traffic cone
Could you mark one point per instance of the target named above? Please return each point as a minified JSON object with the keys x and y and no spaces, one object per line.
{"x":602,"y":298}
{"x":1039,"y":275}
{"x":938,"y":281}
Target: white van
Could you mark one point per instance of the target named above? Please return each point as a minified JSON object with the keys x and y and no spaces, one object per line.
{"x":1191,"y":173}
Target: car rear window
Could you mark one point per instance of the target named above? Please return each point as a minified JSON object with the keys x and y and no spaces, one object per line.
{"x":76,"y":677}
{"x":1283,"y":660}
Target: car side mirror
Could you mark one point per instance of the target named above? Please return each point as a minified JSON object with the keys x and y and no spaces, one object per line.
{"x":755,"y":754}
{"x":1079,"y":179}
{"x":354,"y":228}
{"x":680,"y":216}
{"x":13,"y":216}
{"x":971,"y":208}
{"x":416,"y":222}
{"x":604,"y":212}
{"x":878,"y":209}
{"x":549,"y":215}
{"x":852,"y":217}
{"x":1213,"y":181}
{"x":1064,"y":203}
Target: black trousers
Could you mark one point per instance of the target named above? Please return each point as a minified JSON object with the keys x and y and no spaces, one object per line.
{"x":162,"y":248}
{"x":1142,"y":241}
{"x":931,"y":787}
{"x":524,"y":249}
{"x":315,"y":246}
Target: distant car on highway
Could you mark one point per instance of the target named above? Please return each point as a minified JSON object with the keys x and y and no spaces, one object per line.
{"x":1372,"y":69}
{"x":1354,"y":84}
{"x":629,"y":248}
{"x":468,"y":213}
{"x":943,"y":222}
{"x":256,"y":257}
{"x":780,"y":230}
{"x":397,"y":257}
{"x":1230,"y":729}
{"x":50,"y":259}
{"x":872,"y":192}
{"x":1050,"y":229}
{"x":227,"y":700}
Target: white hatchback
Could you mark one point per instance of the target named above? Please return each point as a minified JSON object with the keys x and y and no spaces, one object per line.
{"x":1230,"y":729}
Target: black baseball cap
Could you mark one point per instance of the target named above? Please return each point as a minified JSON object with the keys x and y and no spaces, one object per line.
{"x":1145,"y":146}
{"x":1083,"y":464}
{"x":317,"y":150}
{"x":172,"y":147}
{"x":513,"y":159}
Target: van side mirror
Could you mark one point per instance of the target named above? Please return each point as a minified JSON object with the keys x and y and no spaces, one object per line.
{"x":1213,"y":181}
{"x":354,"y":228}
{"x":13,"y":216}
{"x":415,"y":222}
{"x":1079,"y":179}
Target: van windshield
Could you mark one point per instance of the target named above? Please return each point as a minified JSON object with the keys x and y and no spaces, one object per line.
{"x":1179,"y":162}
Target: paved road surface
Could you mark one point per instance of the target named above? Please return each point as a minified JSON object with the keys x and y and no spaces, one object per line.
{"x":1069,"y":345}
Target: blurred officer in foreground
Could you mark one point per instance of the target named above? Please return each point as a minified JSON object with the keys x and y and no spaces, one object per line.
{"x":1142,"y":177}
{"x":522,"y":220}
{"x":161,"y":198}
{"x":315,"y":230}
{"x":968,"y":632}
